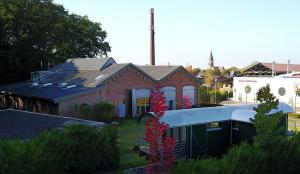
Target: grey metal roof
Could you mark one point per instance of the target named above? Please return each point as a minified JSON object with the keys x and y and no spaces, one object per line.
{"x":83,"y":64}
{"x":243,"y":113}
{"x":24,"y":125}
{"x":158,"y":72}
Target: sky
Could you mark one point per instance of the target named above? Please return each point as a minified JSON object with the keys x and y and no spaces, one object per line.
{"x":238,"y":32}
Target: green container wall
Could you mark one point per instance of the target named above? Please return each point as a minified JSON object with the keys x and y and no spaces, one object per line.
{"x":242,"y":132}
{"x":196,"y":141}
{"x":201,"y":142}
{"x":218,"y":140}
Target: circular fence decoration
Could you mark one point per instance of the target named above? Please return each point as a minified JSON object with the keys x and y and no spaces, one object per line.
{"x":247,"y":89}
{"x":281,"y":91}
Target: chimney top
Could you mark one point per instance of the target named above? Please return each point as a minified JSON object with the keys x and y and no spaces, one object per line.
{"x":152,"y":44}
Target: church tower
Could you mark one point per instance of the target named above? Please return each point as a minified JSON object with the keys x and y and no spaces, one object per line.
{"x":211,"y":61}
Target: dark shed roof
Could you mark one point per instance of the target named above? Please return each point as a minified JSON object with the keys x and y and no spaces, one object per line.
{"x":24,"y":125}
{"x":51,"y":92}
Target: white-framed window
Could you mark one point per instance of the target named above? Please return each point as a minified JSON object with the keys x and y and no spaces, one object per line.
{"x":213,"y":126}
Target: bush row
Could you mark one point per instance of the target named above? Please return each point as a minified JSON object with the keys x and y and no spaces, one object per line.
{"x":277,"y":158}
{"x":78,"y":149}
{"x":102,"y":111}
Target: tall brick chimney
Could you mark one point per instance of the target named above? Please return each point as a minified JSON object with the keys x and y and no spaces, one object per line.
{"x":152,"y":46}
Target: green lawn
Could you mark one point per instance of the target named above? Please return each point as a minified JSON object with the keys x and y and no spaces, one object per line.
{"x":129,"y":130}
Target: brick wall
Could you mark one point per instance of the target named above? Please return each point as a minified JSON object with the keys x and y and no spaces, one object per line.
{"x":118,"y":89}
{"x":65,"y":107}
{"x":179,"y":79}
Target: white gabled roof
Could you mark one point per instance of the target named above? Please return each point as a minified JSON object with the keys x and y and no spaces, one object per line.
{"x":183,"y":117}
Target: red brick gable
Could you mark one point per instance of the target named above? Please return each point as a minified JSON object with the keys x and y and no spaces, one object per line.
{"x":118,"y":88}
{"x":178,"y":79}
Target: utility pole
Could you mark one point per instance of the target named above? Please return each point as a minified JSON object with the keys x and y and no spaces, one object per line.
{"x":287,"y":67}
{"x":215,"y":90}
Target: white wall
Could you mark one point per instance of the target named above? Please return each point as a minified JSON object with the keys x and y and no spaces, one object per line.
{"x":288,"y":83}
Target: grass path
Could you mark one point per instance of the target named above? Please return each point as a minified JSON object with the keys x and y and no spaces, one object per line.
{"x":129,"y":130}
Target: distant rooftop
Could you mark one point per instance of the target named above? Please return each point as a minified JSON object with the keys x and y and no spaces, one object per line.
{"x":282,"y":67}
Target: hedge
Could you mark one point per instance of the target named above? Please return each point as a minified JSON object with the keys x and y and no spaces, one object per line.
{"x":78,"y":149}
{"x":277,"y":158}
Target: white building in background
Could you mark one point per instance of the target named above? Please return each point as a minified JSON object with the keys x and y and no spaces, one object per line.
{"x":283,"y":87}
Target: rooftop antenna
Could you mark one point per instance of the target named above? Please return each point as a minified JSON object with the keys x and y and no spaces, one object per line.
{"x":273,"y":68}
{"x":152,"y":46}
{"x":287,"y":66}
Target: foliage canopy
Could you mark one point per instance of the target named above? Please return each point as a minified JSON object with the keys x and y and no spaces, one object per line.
{"x":38,"y":33}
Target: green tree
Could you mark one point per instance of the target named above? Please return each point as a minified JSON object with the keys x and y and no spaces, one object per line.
{"x":209,"y":76}
{"x":298,"y":91}
{"x":196,"y":69}
{"x":268,"y":128}
{"x":36,"y":33}
{"x":217,"y":72}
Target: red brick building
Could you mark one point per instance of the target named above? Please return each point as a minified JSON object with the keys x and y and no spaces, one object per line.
{"x":91,"y":80}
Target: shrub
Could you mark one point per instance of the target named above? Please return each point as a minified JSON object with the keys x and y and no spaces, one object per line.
{"x":103,"y":111}
{"x":208,"y":95}
{"x":84,"y":111}
{"x":203,"y":94}
{"x":14,"y":157}
{"x":78,"y":149}
{"x":100,"y":112}
{"x":280,"y":157}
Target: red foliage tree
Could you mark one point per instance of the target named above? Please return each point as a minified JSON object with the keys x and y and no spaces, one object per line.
{"x":161,"y":156}
{"x":186,"y":102}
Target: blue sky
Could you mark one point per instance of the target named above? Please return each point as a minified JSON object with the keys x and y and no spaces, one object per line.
{"x":237,"y":31}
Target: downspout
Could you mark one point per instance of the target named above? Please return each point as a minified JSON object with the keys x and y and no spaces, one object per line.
{"x":230,"y":133}
{"x":191,"y":141}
